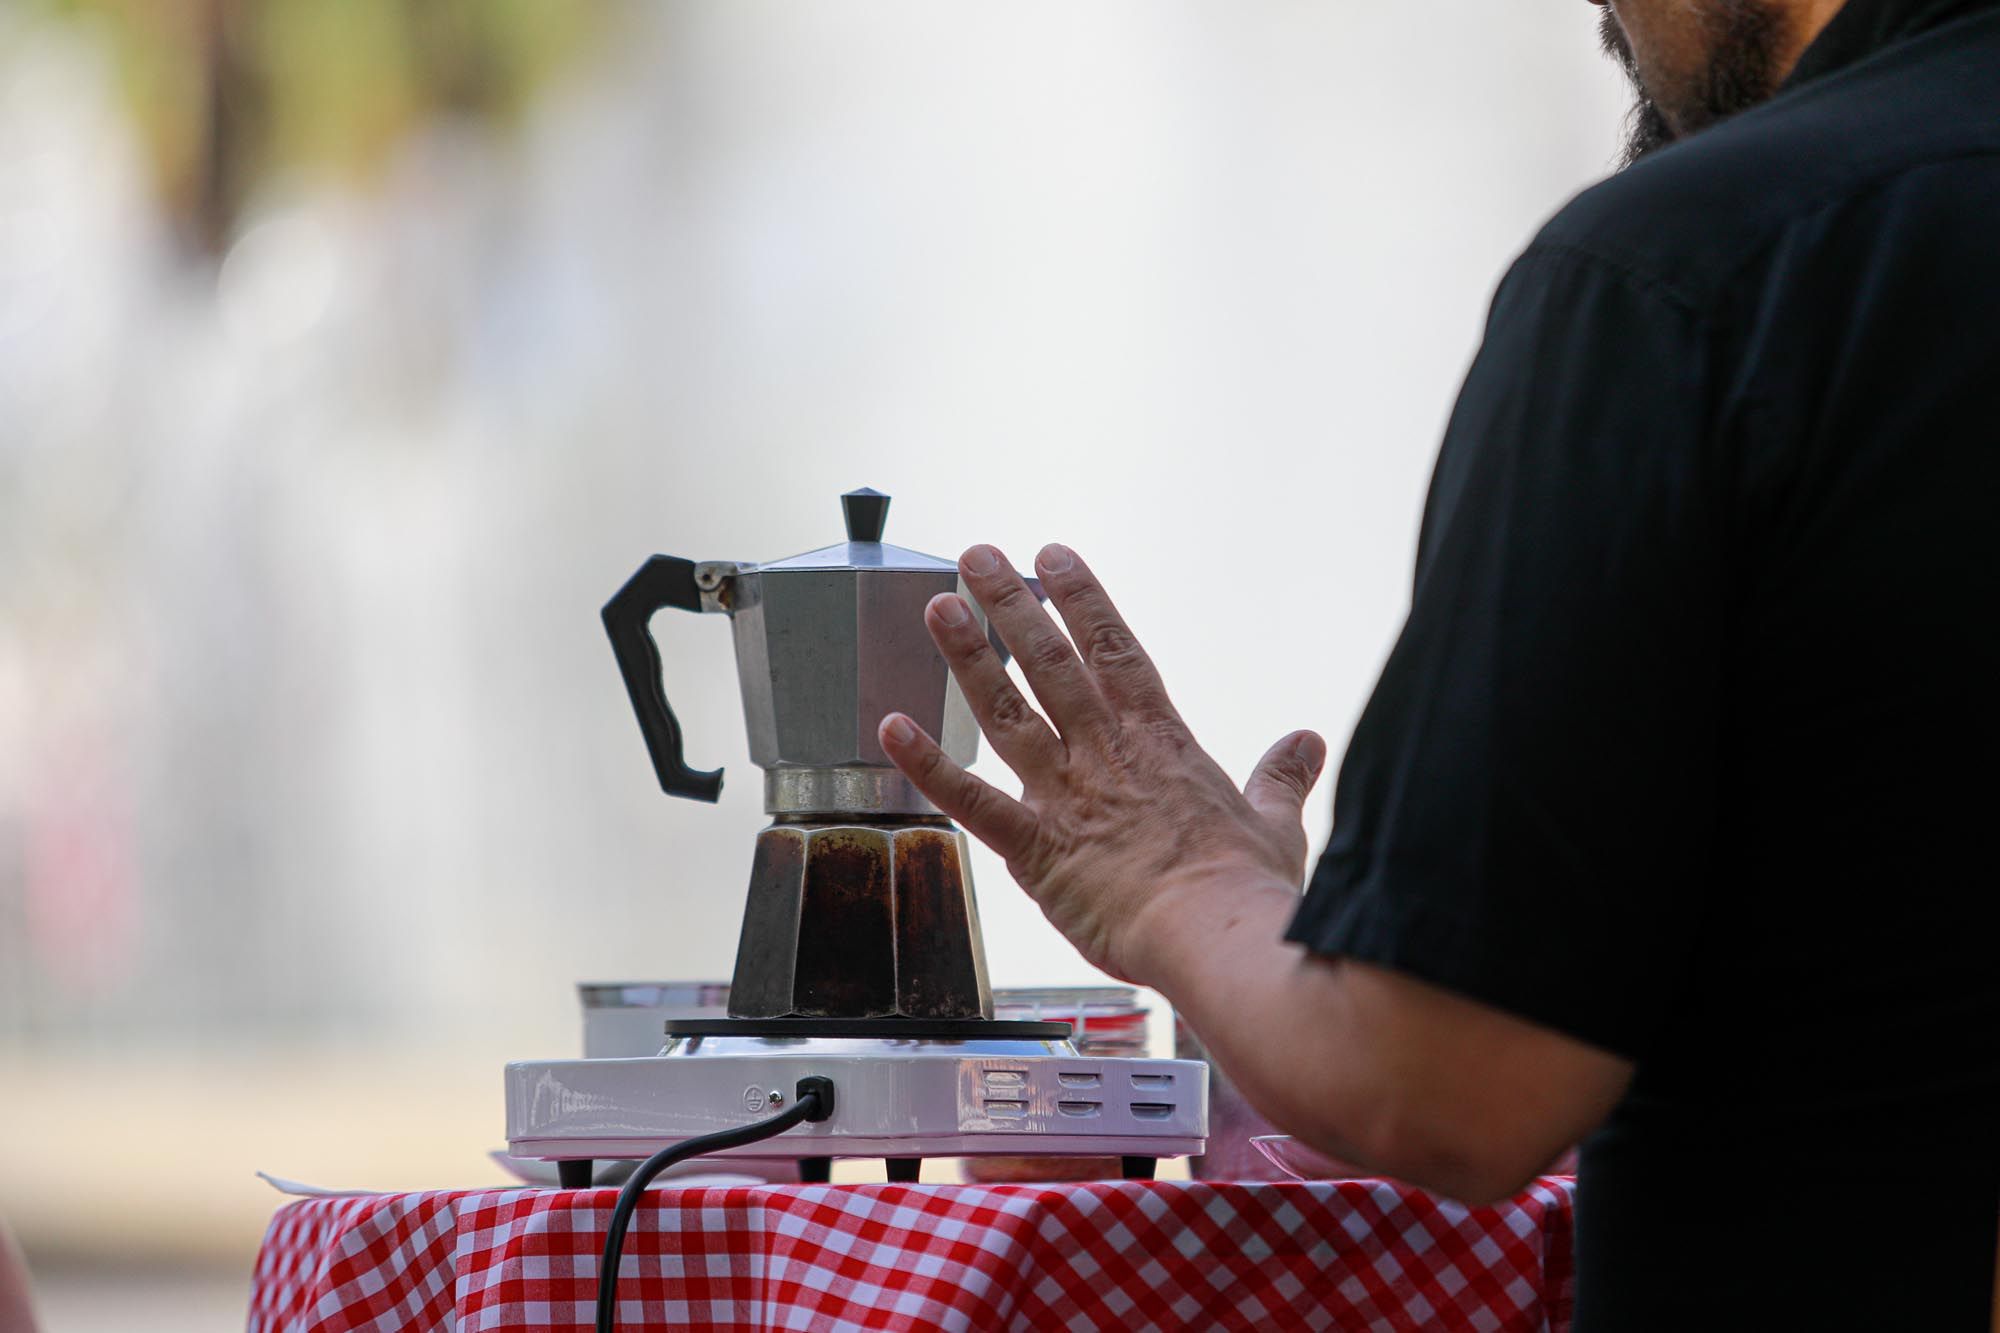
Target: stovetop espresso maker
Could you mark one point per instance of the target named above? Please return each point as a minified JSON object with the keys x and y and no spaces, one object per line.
{"x":860,"y":963}
{"x":860,"y":902}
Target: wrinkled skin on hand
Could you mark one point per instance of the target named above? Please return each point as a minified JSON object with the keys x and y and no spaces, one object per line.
{"x":1122,"y":814}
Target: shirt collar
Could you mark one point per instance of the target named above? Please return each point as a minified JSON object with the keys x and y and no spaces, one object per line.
{"x":1863,"y":27}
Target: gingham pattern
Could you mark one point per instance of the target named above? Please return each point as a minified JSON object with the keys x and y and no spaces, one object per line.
{"x":1353,"y":1255}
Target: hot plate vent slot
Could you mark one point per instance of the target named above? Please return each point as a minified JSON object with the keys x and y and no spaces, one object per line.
{"x":1006,"y":1094}
{"x":1152,"y":1081}
{"x":1080,"y":1080}
{"x":1081,"y":1109}
{"x":1152,"y":1110}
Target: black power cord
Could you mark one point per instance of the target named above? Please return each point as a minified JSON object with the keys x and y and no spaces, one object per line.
{"x":813,"y":1101}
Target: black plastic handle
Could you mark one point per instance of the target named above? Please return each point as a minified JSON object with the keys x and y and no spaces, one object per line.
{"x":663,"y":581}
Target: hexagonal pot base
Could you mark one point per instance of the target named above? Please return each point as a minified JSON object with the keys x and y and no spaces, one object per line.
{"x":861,"y":921}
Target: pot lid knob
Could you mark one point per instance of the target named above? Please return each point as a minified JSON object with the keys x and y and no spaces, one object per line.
{"x":867,"y":514}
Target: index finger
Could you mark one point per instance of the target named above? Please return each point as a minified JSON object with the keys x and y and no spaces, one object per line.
{"x":1123,"y":670}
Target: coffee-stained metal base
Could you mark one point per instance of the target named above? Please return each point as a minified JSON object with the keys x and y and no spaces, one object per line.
{"x":853,"y":920}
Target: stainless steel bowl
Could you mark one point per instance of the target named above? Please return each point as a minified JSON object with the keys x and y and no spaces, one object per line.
{"x":626,"y":1018}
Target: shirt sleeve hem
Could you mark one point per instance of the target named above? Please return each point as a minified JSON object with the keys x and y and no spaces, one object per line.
{"x":1481,"y":962}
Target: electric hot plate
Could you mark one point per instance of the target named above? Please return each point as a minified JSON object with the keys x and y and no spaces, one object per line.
{"x":905,"y":1089}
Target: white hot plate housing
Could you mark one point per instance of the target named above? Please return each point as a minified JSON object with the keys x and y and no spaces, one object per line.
{"x":892,"y":1098}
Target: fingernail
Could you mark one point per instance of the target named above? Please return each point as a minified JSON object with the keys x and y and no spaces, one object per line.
{"x":951,"y":610}
{"x":1311,"y":751}
{"x":982,"y":560}
{"x":1056,"y":559}
{"x":900,"y":729}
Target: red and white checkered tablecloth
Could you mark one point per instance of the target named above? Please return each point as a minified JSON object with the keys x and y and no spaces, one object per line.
{"x":1351,"y":1255}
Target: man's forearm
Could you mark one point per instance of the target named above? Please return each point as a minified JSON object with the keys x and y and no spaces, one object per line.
{"x":1368,"y":1064}
{"x":1269,"y":1015}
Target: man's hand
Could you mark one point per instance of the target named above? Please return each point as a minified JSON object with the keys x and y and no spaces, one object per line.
{"x":1121,"y":812}
{"x":1143,"y":853}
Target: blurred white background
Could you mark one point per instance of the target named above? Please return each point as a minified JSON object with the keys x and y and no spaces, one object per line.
{"x":318,"y":789}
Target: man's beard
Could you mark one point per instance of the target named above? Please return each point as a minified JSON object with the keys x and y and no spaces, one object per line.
{"x":1742,"y":70}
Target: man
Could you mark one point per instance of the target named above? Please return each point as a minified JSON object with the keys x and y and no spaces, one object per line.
{"x":1666,"y":827}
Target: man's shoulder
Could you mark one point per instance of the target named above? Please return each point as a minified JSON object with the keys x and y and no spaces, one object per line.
{"x":1693,"y":216}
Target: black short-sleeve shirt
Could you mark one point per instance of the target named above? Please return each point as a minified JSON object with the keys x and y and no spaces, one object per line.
{"x":1689,"y":745}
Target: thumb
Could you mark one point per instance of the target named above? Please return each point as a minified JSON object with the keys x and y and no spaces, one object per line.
{"x":1284,"y":777}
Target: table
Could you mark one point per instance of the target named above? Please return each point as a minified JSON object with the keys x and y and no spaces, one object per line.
{"x":1123,"y":1255}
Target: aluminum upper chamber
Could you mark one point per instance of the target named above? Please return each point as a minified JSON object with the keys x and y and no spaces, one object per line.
{"x":860,"y":902}
{"x":828,"y":643}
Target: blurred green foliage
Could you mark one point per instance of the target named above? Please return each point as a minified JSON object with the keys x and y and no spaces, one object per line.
{"x":225,"y":93}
